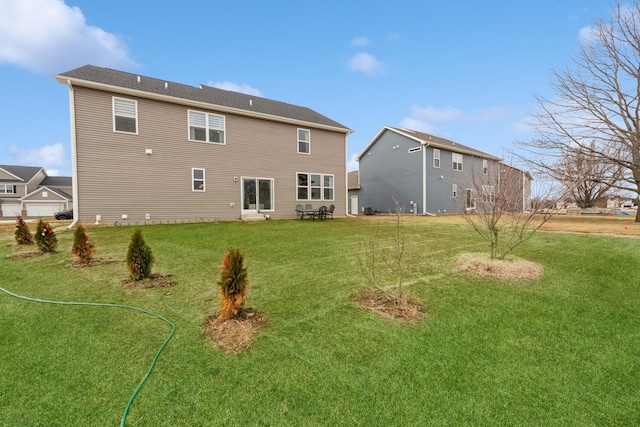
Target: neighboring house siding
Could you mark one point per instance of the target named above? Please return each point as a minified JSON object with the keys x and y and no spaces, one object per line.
{"x":388,"y":171}
{"x":115,"y":177}
{"x":400,"y":163}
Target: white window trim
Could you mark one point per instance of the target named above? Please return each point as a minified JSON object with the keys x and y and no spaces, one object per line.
{"x":113,"y":111}
{"x":473,"y":198}
{"x":207,"y":127}
{"x":298,"y":141}
{"x":489,"y":194}
{"x":322,"y":187}
{"x":455,"y":156}
{"x":6,"y":189}
{"x":454,"y":190}
{"x":436,"y":156}
{"x":193,"y":180}
{"x":485,"y":167}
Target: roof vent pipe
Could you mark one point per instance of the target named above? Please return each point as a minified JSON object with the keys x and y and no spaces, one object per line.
{"x":138,"y":79}
{"x":251,"y":102}
{"x":166,"y":85}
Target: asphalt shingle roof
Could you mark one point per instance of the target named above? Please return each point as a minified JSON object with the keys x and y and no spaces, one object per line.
{"x":205,"y":94}
{"x":25,"y":173}
{"x":438,"y":142}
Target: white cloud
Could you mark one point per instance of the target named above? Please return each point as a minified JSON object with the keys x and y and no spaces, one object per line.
{"x":418,"y":124}
{"x":243,"y":88}
{"x":490,"y":114}
{"x":47,"y":36}
{"x":52,"y":158}
{"x":433,"y":114}
{"x":360,"y":41}
{"x":365,"y":63}
{"x":353,"y":164}
{"x":587,"y":34}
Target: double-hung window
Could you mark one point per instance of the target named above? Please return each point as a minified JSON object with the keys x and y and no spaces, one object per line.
{"x":488,"y":194}
{"x":7,"y":189}
{"x":436,"y":158}
{"x":314,"y":186}
{"x":456,"y":161}
{"x":304,"y":141}
{"x":206,"y":127}
{"x":125,"y":115}
{"x":485,"y":167}
{"x":197,"y":179}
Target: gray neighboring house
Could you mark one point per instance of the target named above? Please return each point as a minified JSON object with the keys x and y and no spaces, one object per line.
{"x":146,"y":149}
{"x":29,"y":192}
{"x":428,"y":175}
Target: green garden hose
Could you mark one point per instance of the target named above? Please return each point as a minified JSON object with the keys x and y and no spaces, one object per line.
{"x":95,"y":304}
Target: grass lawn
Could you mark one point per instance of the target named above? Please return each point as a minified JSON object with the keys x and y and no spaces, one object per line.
{"x":562,"y":350}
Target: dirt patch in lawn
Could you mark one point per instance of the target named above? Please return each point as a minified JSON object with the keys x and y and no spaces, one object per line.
{"x":31,"y":254}
{"x":391,"y":306}
{"x":156,"y":280}
{"x":234,"y":335}
{"x":92,"y":263}
{"x":509,"y":269}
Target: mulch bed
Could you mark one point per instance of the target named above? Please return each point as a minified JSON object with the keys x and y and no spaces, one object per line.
{"x":234,"y":335}
{"x":516,"y":270}
{"x":31,"y":254}
{"x":389,"y":305}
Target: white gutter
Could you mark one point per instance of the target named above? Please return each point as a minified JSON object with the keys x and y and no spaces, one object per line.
{"x":74,"y":163}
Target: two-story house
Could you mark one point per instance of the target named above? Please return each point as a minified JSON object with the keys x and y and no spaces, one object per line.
{"x":426,"y":174}
{"x":29,"y":192}
{"x":145,"y":149}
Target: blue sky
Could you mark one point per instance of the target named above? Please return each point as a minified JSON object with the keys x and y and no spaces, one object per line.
{"x":463,"y":70}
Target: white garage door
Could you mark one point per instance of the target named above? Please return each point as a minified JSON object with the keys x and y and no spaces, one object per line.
{"x":44,"y":209}
{"x":11,"y":209}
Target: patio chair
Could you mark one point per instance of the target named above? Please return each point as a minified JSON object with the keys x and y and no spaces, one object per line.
{"x":299,"y":214}
{"x":322,"y":212}
{"x":330,"y":211}
{"x":308,"y":206}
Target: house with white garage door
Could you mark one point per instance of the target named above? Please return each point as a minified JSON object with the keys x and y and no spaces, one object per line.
{"x":29,"y":192}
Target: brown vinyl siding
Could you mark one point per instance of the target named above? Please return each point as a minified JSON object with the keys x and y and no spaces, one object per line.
{"x":116,"y":177}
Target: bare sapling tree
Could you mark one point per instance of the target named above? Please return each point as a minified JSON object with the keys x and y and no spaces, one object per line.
{"x":497,"y":206}
{"x":393,"y":256}
{"x":368,"y":260}
{"x":387,"y":250}
{"x":594,"y":113}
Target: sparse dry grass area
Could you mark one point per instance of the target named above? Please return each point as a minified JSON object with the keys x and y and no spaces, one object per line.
{"x":513,"y":269}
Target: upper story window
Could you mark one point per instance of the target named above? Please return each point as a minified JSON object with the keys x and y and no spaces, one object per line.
{"x":304,"y":141}
{"x":206,"y":127}
{"x":485,"y":167}
{"x":436,"y":158}
{"x":7,"y":189}
{"x":197,"y":177}
{"x":456,"y":161}
{"x":125,"y":115}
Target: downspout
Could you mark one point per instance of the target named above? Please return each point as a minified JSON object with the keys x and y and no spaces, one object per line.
{"x":74,"y":163}
{"x":424,"y":180}
{"x":346,"y":178}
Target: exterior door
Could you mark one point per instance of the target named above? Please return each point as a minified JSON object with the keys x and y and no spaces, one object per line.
{"x":354,"y":205}
{"x":257,"y":195}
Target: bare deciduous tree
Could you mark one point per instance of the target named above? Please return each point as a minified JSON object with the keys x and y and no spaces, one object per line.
{"x":496,"y":210}
{"x":595,"y":112}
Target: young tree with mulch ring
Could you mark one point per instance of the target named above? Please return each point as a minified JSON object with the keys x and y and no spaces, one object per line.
{"x":233,"y":285}
{"x":139,"y":257}
{"x":82,"y":249}
{"x":46,"y":237}
{"x":23,"y":234}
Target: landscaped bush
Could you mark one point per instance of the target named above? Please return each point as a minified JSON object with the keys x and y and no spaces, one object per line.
{"x":23,"y":235}
{"x":45,"y":237}
{"x":82,"y":249}
{"x":233,"y":285}
{"x":139,"y":257}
